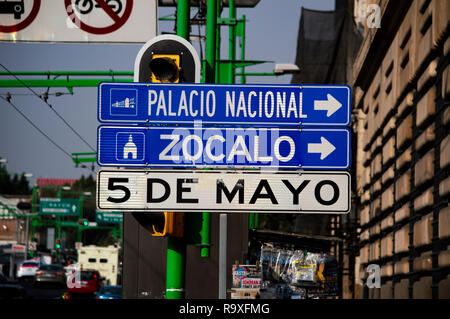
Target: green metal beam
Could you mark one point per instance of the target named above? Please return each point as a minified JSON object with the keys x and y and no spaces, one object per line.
{"x":57,"y":82}
{"x":68,"y":73}
{"x":77,"y":160}
{"x":54,"y":78}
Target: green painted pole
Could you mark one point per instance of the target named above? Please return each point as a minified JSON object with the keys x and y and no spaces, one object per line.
{"x":210,"y":77}
{"x":232,"y":41}
{"x":183,"y":18}
{"x":251,"y":220}
{"x":217,"y":64}
{"x":176,"y":248}
{"x":211,"y":23}
{"x":205,"y":234}
{"x":80,"y":216}
{"x":176,"y":265}
{"x":243,"y":79}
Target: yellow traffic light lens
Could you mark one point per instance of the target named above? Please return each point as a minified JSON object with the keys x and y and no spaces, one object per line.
{"x":165,"y":68}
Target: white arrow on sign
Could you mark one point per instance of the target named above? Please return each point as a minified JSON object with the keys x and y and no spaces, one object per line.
{"x":331,"y":105}
{"x":74,"y":208}
{"x":325,"y":148}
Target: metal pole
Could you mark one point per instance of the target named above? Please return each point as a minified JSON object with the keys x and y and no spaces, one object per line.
{"x":223,"y":257}
{"x":217,"y":65}
{"x":183,"y":17}
{"x":80,"y":216}
{"x":205,"y":234}
{"x":251,"y":220}
{"x":243,"y":79}
{"x":232,"y":41}
{"x":176,"y":248}
{"x":211,"y":23}
{"x":175,"y":271}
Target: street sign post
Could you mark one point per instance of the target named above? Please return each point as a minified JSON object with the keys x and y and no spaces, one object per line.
{"x":224,"y":191}
{"x":59,"y":206}
{"x":214,"y":104}
{"x":223,"y":147}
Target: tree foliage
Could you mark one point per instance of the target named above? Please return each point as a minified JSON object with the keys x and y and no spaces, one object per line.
{"x":13,"y":185}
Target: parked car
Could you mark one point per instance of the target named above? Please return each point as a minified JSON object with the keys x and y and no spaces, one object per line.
{"x":50,"y":274}
{"x":86,"y":283}
{"x":27,"y":269}
{"x":109,"y":292}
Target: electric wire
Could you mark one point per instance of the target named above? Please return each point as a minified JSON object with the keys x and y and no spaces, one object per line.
{"x":38,"y":129}
{"x":35,"y":126}
{"x":51,"y":107}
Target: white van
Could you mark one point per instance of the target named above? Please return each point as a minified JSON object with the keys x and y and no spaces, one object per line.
{"x":103,"y":259}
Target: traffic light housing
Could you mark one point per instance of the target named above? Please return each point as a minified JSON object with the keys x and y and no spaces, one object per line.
{"x":167,"y":58}
{"x":83,"y":222}
{"x":162,"y":224}
{"x":58,"y":244}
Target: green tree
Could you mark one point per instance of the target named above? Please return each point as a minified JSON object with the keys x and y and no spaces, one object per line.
{"x":15,"y":185}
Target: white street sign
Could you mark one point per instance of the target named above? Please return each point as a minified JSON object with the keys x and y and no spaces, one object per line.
{"x":224,"y":191}
{"x":78,"y":20}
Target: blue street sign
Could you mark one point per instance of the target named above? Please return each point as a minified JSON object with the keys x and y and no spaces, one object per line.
{"x":216,"y":104}
{"x":135,"y":146}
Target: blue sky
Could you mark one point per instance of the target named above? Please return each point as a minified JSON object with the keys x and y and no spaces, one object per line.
{"x":272,"y":29}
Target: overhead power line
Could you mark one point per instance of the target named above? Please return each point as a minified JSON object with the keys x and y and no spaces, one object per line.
{"x":44,"y":99}
{"x":8,"y":100}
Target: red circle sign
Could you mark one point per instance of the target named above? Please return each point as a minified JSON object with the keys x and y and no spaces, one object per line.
{"x":25,"y":23}
{"x":118,"y":21}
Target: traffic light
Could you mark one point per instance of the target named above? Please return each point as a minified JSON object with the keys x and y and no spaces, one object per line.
{"x":167,"y":59}
{"x":173,"y":225}
{"x":58,"y":244}
{"x":83,"y":222}
{"x":165,"y":68}
{"x":162,"y":224}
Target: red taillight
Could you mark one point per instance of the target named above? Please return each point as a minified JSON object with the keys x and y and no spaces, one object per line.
{"x":59,"y":274}
{"x":39,"y":272}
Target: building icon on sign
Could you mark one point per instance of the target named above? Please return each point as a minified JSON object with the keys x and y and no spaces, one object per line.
{"x":130,"y":149}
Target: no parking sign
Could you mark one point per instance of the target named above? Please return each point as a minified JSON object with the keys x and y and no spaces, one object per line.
{"x":112,"y":8}
{"x":117,"y":21}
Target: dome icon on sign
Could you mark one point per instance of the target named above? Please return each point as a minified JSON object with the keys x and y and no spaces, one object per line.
{"x":130,"y":149}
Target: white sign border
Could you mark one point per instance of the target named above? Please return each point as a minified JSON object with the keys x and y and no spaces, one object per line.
{"x":268,"y":211}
